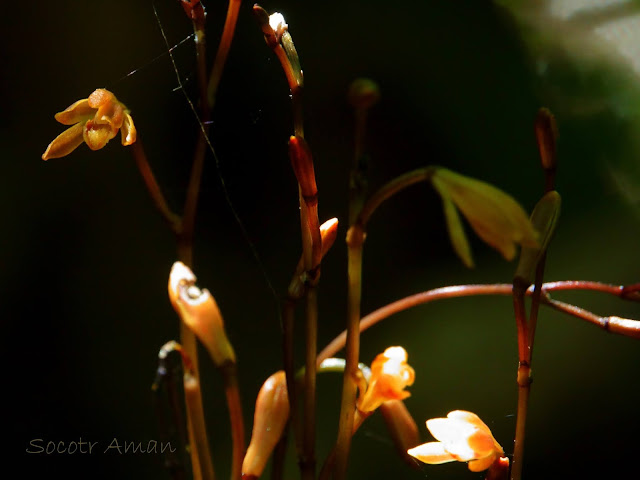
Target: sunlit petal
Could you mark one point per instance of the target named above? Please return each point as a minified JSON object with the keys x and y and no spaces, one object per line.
{"x":128,"y":131}
{"x":80,"y":111}
{"x":432,"y":453}
{"x":65,"y":143}
{"x":482,"y":463}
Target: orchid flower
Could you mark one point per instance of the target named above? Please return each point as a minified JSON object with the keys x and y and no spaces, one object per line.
{"x":94,"y":121}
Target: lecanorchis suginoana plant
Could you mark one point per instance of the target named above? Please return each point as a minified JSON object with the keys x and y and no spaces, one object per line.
{"x":288,"y":396}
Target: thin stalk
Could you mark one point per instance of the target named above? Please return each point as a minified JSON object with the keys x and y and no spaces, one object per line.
{"x":627,"y":327}
{"x":173,"y":220}
{"x":359,"y":418}
{"x":230,"y":378}
{"x":524,"y":383}
{"x":308,"y":463}
{"x":195,"y":415}
{"x":223,"y":51}
{"x":355,"y":239}
{"x":288,"y":320}
{"x":391,"y":188}
{"x":357,"y":181}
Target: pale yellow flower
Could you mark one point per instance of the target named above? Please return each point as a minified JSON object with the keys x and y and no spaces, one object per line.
{"x":390,"y":375}
{"x":94,"y":121}
{"x":463,"y":437}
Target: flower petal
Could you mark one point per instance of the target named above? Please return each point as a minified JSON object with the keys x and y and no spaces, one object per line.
{"x":454,"y":434}
{"x":494,"y":215}
{"x":433,"y":453}
{"x":128,"y":131}
{"x":468,"y":417}
{"x":65,"y":143}
{"x":482,"y":463}
{"x":80,"y":111}
{"x":457,"y":234}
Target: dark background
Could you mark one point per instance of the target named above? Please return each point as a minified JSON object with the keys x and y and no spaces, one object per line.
{"x":84,"y":257}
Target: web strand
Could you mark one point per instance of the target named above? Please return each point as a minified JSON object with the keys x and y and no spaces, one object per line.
{"x":245,"y":234}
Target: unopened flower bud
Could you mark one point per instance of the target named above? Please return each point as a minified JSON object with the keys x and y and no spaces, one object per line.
{"x":269,"y":420}
{"x":200,"y":312}
{"x":363,"y":93}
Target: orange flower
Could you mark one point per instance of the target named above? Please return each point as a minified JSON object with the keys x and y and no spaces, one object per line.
{"x":390,"y":374}
{"x":95,"y":121}
{"x":463,"y":437}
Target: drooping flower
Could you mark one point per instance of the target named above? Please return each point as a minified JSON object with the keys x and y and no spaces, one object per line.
{"x":199,"y":311}
{"x":270,"y":418}
{"x":495,"y":216}
{"x":94,"y":121}
{"x":463,"y":437}
{"x":390,"y":374}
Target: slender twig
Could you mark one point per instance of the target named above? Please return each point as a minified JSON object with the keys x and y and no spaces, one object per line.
{"x":626,"y":327}
{"x":230,"y":377}
{"x":223,"y":51}
{"x":173,"y":220}
{"x":355,"y":239}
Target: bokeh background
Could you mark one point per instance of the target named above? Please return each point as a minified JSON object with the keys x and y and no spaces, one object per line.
{"x":84,"y":257}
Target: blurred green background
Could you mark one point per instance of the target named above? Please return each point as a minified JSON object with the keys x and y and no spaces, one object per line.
{"x":84,"y":257}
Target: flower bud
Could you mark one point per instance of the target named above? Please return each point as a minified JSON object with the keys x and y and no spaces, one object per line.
{"x":270,"y":419}
{"x":363,"y":93}
{"x":200,"y":312}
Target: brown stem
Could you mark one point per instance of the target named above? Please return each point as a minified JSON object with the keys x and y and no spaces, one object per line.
{"x":524,"y":382}
{"x":230,"y":378}
{"x":627,"y":327}
{"x":330,"y":461}
{"x":308,"y":461}
{"x":140,"y":157}
{"x":223,"y":51}
{"x":391,"y":188}
{"x":203,"y":467}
